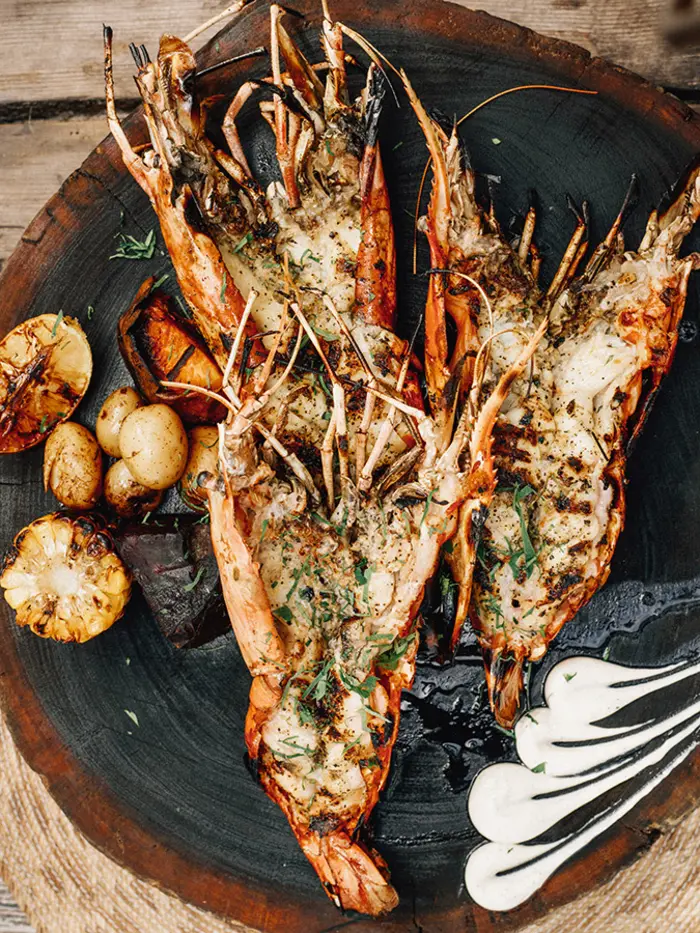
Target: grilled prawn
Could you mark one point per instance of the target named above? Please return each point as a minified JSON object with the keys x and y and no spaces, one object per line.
{"x":539,"y":543}
{"x":553,"y":526}
{"x":336,"y":489}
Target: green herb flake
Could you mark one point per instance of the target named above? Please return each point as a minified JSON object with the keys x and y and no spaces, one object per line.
{"x":244,"y":241}
{"x":222,"y":294}
{"x":265,"y":524}
{"x":364,"y":688}
{"x":90,"y":312}
{"x":308,"y":254}
{"x":132,"y":716}
{"x":190,"y":586}
{"x":159,"y":282}
{"x":355,"y":741}
{"x":606,"y":653}
{"x":389,"y":659}
{"x":328,"y":147}
{"x":131,"y":248}
{"x":569,"y":677}
{"x":496,"y":141}
{"x":528,"y":552}
{"x":318,"y":687}
{"x":57,"y":324}
{"x":427,"y":506}
{"x":540,"y":768}
{"x":284,"y":613}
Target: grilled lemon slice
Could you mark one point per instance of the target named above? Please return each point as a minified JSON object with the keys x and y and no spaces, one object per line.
{"x":64,"y":579}
{"x":45,"y":369}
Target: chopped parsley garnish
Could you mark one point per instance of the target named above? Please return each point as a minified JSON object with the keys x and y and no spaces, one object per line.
{"x":364,"y":688}
{"x":284,"y":613}
{"x":523,"y":558}
{"x":131,"y":248}
{"x":355,"y":741}
{"x":326,"y":334}
{"x":58,"y":322}
{"x":494,"y":606}
{"x":90,"y":312}
{"x":540,"y":768}
{"x":198,"y":576}
{"x":427,"y":506}
{"x":389,"y":659}
{"x":241,"y":243}
{"x":569,"y":677}
{"x":318,"y":687}
{"x":222,"y":294}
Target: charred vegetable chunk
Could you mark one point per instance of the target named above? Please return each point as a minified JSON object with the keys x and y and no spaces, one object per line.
{"x":64,"y":579}
{"x":173,"y":562}
{"x":45,"y":369}
{"x":157,"y":343}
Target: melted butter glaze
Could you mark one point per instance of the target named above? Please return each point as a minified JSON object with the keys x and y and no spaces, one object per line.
{"x":606,"y":737}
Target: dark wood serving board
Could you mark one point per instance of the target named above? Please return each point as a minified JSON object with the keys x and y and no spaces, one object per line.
{"x":172,"y":798}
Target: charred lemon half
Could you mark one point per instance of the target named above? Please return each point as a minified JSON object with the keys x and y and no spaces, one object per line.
{"x":45,"y":369}
{"x":64,"y":579}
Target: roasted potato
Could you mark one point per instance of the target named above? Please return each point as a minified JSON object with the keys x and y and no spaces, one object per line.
{"x":114,"y":410}
{"x":153,"y":445}
{"x":203,"y":458}
{"x":126,"y":496}
{"x":73,"y":466}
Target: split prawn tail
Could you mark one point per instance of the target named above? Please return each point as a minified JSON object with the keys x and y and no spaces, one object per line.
{"x":354,"y":876}
{"x":216,"y":303}
{"x":478,"y":421}
{"x":504,"y":667}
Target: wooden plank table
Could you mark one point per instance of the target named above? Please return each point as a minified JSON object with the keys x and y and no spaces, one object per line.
{"x":51,"y":87}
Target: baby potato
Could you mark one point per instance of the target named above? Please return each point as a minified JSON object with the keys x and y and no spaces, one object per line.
{"x":127,"y":497}
{"x":114,"y":410}
{"x":153,"y":445}
{"x":203,"y":458}
{"x":73,"y":466}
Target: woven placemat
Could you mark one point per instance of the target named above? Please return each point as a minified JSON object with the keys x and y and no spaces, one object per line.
{"x":66,"y":886}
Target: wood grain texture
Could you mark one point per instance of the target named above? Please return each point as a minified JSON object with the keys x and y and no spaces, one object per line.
{"x":37,"y":156}
{"x":53,"y":51}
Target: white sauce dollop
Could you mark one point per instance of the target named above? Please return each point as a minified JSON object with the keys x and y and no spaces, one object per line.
{"x":571,"y":756}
